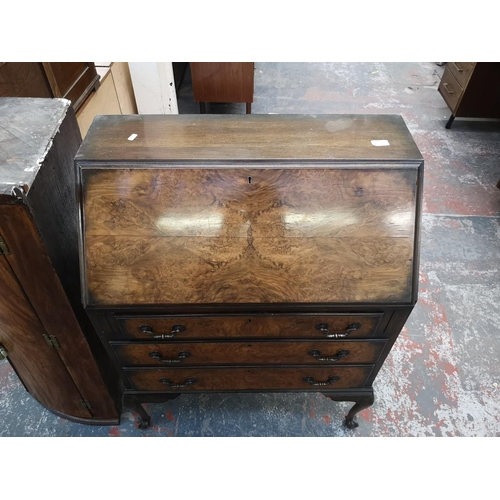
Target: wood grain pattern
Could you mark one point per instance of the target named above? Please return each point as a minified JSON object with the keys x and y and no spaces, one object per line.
{"x":213,"y":326}
{"x":23,"y":79}
{"x":222,"y":82}
{"x":40,"y":368}
{"x":248,"y":235}
{"x":34,"y":270}
{"x":248,"y":353}
{"x":241,"y":379}
{"x":252,"y":137}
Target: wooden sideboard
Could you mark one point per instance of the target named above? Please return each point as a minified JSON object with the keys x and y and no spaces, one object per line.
{"x":44,"y":331}
{"x":249,"y":253}
{"x":471,"y":89}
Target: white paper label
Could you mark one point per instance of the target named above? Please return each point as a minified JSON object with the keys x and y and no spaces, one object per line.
{"x":133,"y":136}
{"x":380,"y":142}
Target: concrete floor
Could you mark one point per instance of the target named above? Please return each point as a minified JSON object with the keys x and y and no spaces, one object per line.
{"x":442,"y":376}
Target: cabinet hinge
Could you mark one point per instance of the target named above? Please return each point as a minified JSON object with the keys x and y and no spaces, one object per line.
{"x":51,"y":341}
{"x":85,"y":404}
{"x":4,"y":249}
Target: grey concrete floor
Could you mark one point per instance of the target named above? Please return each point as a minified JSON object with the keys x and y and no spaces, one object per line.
{"x":442,"y":376}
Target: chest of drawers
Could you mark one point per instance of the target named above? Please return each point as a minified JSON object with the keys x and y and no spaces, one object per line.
{"x":249,"y":253}
{"x":471,"y":90}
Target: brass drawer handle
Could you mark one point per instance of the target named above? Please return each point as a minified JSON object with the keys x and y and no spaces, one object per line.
{"x":182,"y":355}
{"x":317,"y":354}
{"x":310,"y":381}
{"x":162,"y":336}
{"x":324,"y":328}
{"x":168,"y":382}
{"x":445,"y":85}
{"x":460,"y":70}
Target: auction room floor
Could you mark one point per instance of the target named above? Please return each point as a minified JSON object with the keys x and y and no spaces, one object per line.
{"x":442,"y":376}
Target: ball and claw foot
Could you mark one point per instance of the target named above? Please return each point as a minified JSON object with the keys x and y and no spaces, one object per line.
{"x":143,"y":423}
{"x":350,"y":423}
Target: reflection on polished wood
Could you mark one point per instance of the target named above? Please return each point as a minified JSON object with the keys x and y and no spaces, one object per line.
{"x":260,"y":378}
{"x":256,"y":137}
{"x":236,"y":353}
{"x":249,"y":235}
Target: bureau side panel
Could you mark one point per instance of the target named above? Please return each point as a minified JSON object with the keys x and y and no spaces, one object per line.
{"x":248,"y":235}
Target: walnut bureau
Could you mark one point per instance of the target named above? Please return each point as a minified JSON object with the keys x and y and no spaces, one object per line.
{"x":249,"y":253}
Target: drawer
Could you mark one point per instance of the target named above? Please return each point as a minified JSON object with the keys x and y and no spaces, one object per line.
{"x":461,"y":71}
{"x":247,"y":379}
{"x":450,"y":89}
{"x":290,"y":326}
{"x":252,"y":353}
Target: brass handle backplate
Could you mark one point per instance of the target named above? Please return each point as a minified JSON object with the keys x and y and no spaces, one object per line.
{"x":181,"y":356}
{"x":171,"y":385}
{"x":324,"y":328}
{"x":162,"y":336}
{"x":331,"y":380}
{"x":317,"y":354}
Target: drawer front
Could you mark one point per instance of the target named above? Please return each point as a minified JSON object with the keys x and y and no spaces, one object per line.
{"x":240,"y":353}
{"x":450,"y":89}
{"x":242,"y":379}
{"x":290,"y":326}
{"x":461,"y":71}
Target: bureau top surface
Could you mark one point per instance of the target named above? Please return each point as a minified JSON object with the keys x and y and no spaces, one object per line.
{"x":27,"y":128}
{"x":171,"y":138}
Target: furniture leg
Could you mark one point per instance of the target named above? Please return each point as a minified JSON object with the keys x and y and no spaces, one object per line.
{"x":249,"y":108}
{"x":362,"y":401}
{"x":203,"y":109}
{"x":144,"y":419}
{"x":449,"y":122}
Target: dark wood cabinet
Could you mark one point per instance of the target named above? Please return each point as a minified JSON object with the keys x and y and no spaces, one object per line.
{"x":471,"y":89}
{"x":223,"y":82}
{"x":249,"y":253}
{"x":70,"y":80}
{"x":44,"y":331}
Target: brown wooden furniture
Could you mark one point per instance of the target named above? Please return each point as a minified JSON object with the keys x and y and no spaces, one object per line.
{"x":44,"y":331}
{"x":223,"y":82}
{"x":471,"y":90}
{"x":71,"y":80}
{"x":249,"y":253}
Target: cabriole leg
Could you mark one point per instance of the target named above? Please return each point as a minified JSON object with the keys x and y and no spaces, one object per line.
{"x":365,"y":402}
{"x":363,"y":399}
{"x":144,"y":419}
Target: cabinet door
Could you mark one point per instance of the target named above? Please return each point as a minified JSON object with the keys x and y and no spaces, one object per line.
{"x":40,"y":283}
{"x":39,"y":367}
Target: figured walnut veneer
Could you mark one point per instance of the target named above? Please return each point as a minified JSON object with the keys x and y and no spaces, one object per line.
{"x":248,"y":235}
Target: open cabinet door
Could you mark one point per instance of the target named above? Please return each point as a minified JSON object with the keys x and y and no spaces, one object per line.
{"x":38,"y":366}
